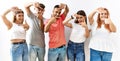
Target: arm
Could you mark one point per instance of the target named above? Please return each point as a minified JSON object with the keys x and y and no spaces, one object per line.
{"x":27,"y":8}
{"x":26,"y":26}
{"x":5,"y":20}
{"x":65,"y":22}
{"x":47,"y":26}
{"x":65,"y":7}
{"x":111,"y":25}
{"x":90,"y":17}
{"x":87,"y":32}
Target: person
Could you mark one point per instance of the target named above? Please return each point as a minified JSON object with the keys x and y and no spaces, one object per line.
{"x":100,"y":46}
{"x":80,"y":31}
{"x":19,"y":48}
{"x":36,"y":33}
{"x":54,"y":26}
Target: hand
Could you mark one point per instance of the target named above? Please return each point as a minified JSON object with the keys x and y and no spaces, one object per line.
{"x":83,"y":24}
{"x":14,"y":8}
{"x":36,"y":4}
{"x":107,"y":21}
{"x":99,"y":10}
{"x":52,"y":20}
{"x":73,"y":16}
{"x":62,"y":6}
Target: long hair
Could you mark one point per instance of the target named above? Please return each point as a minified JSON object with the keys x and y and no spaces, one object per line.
{"x":15,"y":13}
{"x":81,"y":12}
{"x":99,"y":22}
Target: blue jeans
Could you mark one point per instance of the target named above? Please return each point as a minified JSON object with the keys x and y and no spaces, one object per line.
{"x":100,"y":55}
{"x":75,"y":51}
{"x":57,"y":54}
{"x":36,"y":52}
{"x":19,"y":52}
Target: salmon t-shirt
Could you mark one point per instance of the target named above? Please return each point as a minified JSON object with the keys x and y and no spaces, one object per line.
{"x":56,"y":33}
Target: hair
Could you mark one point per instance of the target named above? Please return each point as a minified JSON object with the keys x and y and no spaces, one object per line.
{"x":56,"y":6}
{"x":15,"y":13}
{"x":42,"y":5}
{"x":100,"y":22}
{"x":81,"y":12}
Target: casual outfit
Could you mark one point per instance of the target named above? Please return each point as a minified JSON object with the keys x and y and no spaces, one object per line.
{"x":75,"y":49}
{"x":36,"y":38}
{"x":19,"y":50}
{"x":57,"y":49}
{"x":100,"y":45}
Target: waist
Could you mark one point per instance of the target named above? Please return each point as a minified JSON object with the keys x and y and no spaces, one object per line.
{"x":18,"y":41}
{"x":61,"y":46}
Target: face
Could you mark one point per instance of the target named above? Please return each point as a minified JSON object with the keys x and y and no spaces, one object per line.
{"x":19,"y":18}
{"x":80,"y":18}
{"x":56,"y":12}
{"x":39,"y":10}
{"x":103,"y":15}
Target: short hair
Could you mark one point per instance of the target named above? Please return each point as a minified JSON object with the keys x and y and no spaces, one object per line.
{"x":56,"y":6}
{"x":42,"y":5}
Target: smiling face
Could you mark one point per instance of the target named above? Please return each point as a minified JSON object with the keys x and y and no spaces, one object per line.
{"x":56,"y":12}
{"x":18,"y":16}
{"x":80,"y":18}
{"x":103,"y":15}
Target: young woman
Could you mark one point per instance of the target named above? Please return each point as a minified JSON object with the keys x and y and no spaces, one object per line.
{"x":17,"y":29}
{"x":80,"y":32}
{"x":100,"y":49}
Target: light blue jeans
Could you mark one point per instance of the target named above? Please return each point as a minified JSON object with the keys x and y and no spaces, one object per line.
{"x":75,"y":51}
{"x":19,"y":52}
{"x":57,"y":54}
{"x":100,"y":55}
{"x":36,"y":52}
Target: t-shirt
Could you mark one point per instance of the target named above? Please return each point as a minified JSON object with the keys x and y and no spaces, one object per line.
{"x":77,"y":34}
{"x":56,"y":33}
{"x":100,"y":40}
{"x":17,"y":32}
{"x":35,"y":34}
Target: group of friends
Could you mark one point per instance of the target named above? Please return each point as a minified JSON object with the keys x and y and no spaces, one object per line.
{"x":100,"y":49}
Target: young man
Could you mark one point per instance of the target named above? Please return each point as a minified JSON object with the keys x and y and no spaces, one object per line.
{"x":54,"y":26}
{"x":36,"y":32}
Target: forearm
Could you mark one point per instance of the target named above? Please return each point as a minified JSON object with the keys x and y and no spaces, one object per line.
{"x":66,"y":21}
{"x":112,"y":27}
{"x":42,"y":25}
{"x":27,"y":7}
{"x":87,"y":33}
{"x":47,"y":26}
{"x":90,"y":17}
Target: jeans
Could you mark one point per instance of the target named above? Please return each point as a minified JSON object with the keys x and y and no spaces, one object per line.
{"x":36,"y":52}
{"x":57,"y":54}
{"x":19,"y":52}
{"x":100,"y":55}
{"x":75,"y":51}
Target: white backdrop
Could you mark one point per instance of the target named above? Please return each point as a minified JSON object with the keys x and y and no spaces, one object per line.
{"x":74,"y":6}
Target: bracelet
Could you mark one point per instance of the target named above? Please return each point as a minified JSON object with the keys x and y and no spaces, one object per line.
{"x":72,"y":17}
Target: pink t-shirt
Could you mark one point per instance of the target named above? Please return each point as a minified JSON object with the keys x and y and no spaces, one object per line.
{"x":56,"y":33}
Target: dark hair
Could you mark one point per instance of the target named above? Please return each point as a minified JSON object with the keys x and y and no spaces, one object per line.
{"x":56,"y":6}
{"x":15,"y":13}
{"x":42,"y":5}
{"x":81,"y":12}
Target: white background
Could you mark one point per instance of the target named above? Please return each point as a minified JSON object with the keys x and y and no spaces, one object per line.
{"x":74,"y":6}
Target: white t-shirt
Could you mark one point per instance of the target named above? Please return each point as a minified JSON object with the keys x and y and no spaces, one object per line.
{"x":77,"y":34}
{"x":17,"y":32}
{"x":100,"y":40}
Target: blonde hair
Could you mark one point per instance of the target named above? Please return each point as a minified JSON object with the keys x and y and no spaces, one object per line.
{"x":99,"y":22}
